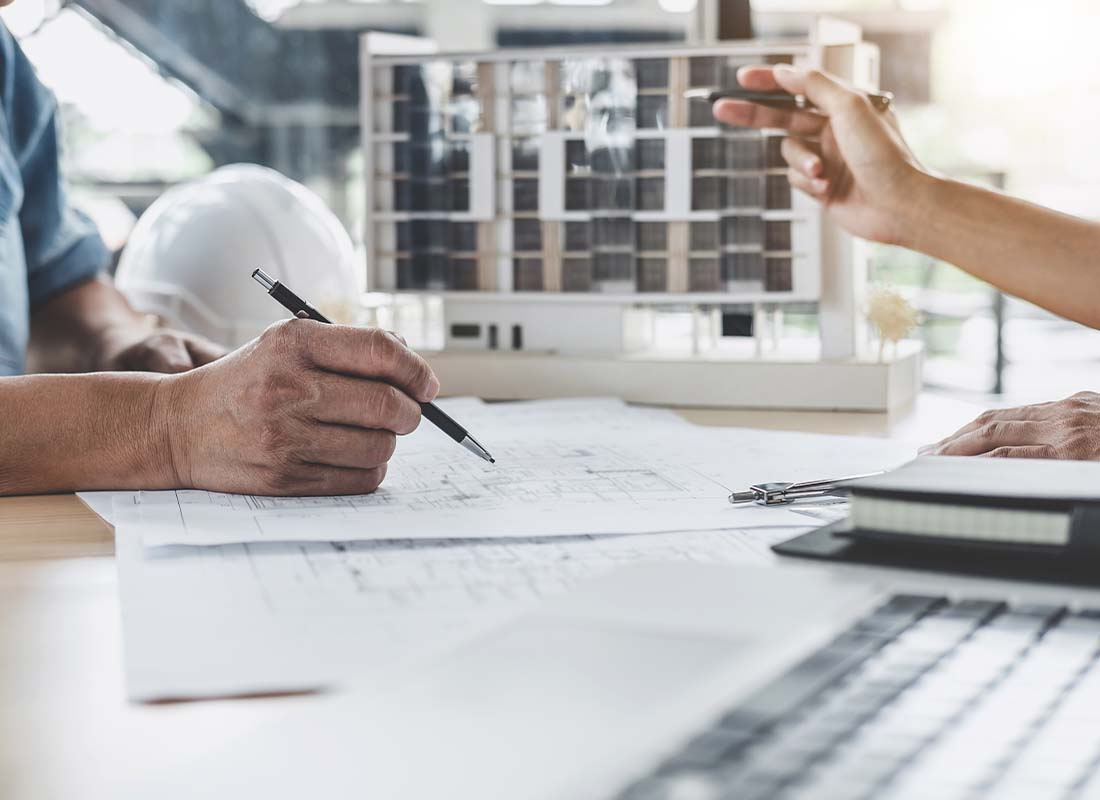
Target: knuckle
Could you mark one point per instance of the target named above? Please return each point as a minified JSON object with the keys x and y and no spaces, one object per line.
{"x":384,"y":405}
{"x":373,"y":479}
{"x":1081,"y":420}
{"x":853,"y":102}
{"x":384,"y":447}
{"x":993,"y":430}
{"x":275,"y":332}
{"x":279,"y":390}
{"x":382,"y":347}
{"x":287,"y":337}
{"x":1082,"y":403}
{"x":420,"y":373}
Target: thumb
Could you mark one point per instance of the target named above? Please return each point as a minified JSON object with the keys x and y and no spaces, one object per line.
{"x":828,"y":93}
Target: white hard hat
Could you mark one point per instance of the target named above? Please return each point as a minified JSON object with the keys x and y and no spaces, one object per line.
{"x":190,"y":257}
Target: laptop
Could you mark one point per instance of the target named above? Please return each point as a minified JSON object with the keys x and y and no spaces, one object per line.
{"x":693,"y":682}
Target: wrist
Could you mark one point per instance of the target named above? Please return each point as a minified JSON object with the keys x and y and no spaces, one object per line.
{"x":170,"y":429}
{"x":917,"y":208}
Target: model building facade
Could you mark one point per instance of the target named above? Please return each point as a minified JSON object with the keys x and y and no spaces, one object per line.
{"x":539,"y":190}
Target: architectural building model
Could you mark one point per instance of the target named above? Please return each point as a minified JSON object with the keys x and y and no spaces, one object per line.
{"x":555,"y":198}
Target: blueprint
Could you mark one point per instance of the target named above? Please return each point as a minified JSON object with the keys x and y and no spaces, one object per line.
{"x":564,"y":468}
{"x":301,"y":594}
{"x":277,"y":617}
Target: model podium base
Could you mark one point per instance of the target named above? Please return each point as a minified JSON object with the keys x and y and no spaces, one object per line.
{"x":695,"y":382}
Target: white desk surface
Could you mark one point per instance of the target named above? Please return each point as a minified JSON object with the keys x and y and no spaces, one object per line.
{"x":66,"y":730}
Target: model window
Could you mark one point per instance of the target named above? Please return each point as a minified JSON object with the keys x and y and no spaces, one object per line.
{"x":650,"y":154}
{"x":706,"y":153}
{"x":704,"y":236}
{"x":777,"y":236}
{"x":526,"y":235}
{"x":778,"y":192}
{"x":779,"y":275}
{"x":576,"y":274}
{"x":578,"y":236}
{"x":650,"y":194}
{"x":527,"y":274}
{"x":742,"y":231}
{"x":651,"y":73}
{"x":652,"y":274}
{"x":652,"y":236}
{"x":704,"y":275}
{"x":525,"y":194}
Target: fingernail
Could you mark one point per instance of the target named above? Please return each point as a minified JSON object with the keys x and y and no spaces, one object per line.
{"x":784,"y":69}
{"x":433,"y":387}
{"x":812,"y":166}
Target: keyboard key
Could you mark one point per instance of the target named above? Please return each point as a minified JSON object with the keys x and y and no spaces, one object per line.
{"x":977,"y":610}
{"x":796,"y":687}
{"x":682,"y":786}
{"x":710,"y":749}
{"x":918,"y":604}
{"x":1029,"y":616}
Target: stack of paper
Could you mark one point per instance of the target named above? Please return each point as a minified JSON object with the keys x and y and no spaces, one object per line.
{"x":226,"y":594}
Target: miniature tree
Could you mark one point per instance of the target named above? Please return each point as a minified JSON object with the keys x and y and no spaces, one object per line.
{"x":892,"y":316}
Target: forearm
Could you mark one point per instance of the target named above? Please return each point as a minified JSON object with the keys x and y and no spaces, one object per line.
{"x":1048,"y":258}
{"x":84,"y":432}
{"x":68,"y":331}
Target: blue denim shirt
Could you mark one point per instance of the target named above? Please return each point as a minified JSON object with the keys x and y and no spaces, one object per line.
{"x":45,"y":245}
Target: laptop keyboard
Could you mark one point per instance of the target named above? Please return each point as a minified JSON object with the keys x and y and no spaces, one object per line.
{"x":923,"y":698}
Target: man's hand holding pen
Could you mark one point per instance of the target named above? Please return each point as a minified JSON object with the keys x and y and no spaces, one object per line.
{"x":305,"y":409}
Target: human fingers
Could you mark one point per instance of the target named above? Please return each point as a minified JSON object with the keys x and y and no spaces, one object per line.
{"x":825,"y":91}
{"x":312,"y":480}
{"x":758,"y":78}
{"x":348,"y":447}
{"x":993,"y":436}
{"x":1031,"y":413}
{"x":817,"y":188}
{"x":161,"y":352}
{"x":743,"y":114}
{"x":364,"y":404}
{"x":362,"y":352}
{"x":803,"y":156}
{"x":1043,"y":451}
{"x":202,"y":351}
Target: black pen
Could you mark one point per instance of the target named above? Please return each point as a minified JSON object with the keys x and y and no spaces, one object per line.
{"x":782,"y":100}
{"x":433,"y":413}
